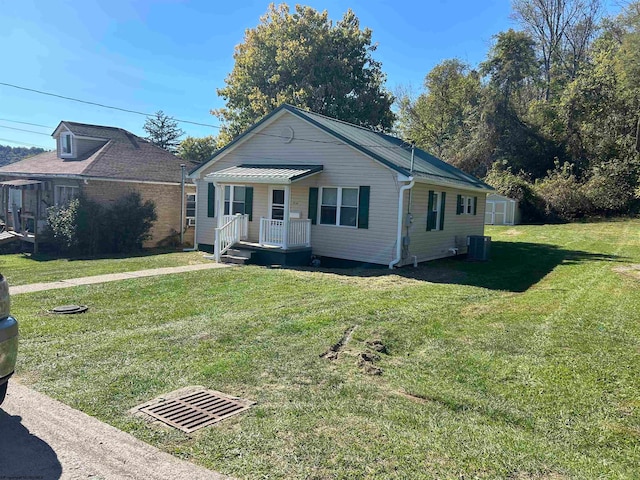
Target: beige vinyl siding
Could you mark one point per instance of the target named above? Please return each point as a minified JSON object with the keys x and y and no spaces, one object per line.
{"x":205,"y":225}
{"x":436,"y":243}
{"x":343,"y":167}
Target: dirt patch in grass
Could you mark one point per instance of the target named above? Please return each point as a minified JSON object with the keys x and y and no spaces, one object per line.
{"x":513,"y":232}
{"x":334,"y":350}
{"x":632,"y":271}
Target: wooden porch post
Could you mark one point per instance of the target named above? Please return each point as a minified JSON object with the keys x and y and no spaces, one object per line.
{"x":35,"y":226}
{"x":285,"y":233}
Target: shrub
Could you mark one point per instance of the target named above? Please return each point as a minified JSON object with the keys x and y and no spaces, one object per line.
{"x":130,"y":221}
{"x":562,"y":194}
{"x":84,"y":227}
{"x":611,"y":187}
{"x":517,"y":187}
{"x":61,"y":227}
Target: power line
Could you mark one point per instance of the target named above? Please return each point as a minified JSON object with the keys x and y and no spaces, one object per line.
{"x":25,"y":123}
{"x":176,"y":119}
{"x":102,"y":104}
{"x":24,"y":143}
{"x":24,"y":130}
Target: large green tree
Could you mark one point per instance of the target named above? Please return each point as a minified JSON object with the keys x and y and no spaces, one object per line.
{"x":441,"y":119}
{"x":305,"y":59}
{"x":197,"y":150}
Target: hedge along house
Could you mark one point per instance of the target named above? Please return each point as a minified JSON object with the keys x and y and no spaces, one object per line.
{"x":299,"y":183}
{"x":104,"y":164}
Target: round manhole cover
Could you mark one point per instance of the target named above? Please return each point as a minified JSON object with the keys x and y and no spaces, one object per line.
{"x":69,"y":309}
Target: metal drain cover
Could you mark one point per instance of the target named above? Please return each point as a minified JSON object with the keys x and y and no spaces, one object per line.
{"x":70,"y":309}
{"x":196,"y":409}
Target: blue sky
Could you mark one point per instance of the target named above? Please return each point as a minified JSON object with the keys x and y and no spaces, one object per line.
{"x":171,"y":55}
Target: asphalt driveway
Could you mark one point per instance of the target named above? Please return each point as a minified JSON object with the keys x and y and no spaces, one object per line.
{"x":41,"y":438}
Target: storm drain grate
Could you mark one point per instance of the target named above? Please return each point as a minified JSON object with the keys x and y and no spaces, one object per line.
{"x":196,"y":410}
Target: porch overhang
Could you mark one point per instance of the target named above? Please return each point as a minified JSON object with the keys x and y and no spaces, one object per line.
{"x":22,"y":184}
{"x":271,"y":174}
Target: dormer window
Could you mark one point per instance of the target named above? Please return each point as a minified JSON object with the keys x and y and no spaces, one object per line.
{"x":66,"y":145}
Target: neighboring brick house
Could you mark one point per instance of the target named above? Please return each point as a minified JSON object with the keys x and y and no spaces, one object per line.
{"x":103,"y":163}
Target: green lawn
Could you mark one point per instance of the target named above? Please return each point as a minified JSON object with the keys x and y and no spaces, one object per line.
{"x":21,"y":269}
{"x":525,"y":367}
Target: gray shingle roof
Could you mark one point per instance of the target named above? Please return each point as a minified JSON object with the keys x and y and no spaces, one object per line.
{"x":392,"y":151}
{"x":123,"y":156}
{"x":388,"y":150}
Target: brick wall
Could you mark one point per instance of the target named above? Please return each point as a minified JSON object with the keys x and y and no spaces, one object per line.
{"x":165,"y":197}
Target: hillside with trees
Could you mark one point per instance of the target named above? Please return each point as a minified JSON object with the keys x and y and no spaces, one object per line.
{"x":551,"y":117}
{"x":10,"y":154}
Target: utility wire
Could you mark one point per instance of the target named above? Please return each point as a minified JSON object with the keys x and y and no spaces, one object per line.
{"x":101,"y":104}
{"x":24,"y":143}
{"x":25,"y":130}
{"x":25,"y":123}
{"x":179,"y":120}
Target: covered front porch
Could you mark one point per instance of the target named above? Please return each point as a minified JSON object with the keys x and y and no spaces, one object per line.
{"x":23,"y":204}
{"x":255,"y":212}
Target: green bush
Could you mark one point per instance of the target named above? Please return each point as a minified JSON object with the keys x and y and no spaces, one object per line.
{"x":60,"y":233}
{"x":84,"y":227}
{"x":611,"y":187}
{"x":519,"y":188}
{"x":562,"y":194}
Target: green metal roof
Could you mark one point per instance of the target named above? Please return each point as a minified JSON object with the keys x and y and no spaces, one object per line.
{"x":391,"y":151}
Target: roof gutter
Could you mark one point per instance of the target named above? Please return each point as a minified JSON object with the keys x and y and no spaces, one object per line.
{"x":403,"y":188}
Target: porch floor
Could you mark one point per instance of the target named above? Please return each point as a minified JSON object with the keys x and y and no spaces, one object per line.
{"x":275,"y":255}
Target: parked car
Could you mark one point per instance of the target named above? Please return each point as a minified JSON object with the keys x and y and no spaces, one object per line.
{"x":8,"y":338}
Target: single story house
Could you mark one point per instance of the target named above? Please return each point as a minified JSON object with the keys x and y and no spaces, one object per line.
{"x":104,"y":164}
{"x":298,"y":183}
{"x":501,"y":210}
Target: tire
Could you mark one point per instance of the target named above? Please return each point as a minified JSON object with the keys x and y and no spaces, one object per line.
{"x":3,"y":391}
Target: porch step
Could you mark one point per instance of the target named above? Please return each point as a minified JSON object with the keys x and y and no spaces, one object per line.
{"x":236,"y":255}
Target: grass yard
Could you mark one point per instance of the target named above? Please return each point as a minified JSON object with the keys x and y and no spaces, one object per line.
{"x":21,"y":269}
{"x":526,"y":367}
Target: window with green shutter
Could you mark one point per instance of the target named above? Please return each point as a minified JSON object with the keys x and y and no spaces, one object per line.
{"x":313,"y":205}
{"x":435,"y":210}
{"x":211,"y":200}
{"x":363,"y":207}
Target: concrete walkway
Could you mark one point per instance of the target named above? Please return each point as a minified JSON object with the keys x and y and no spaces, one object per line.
{"x":45,"y":439}
{"x":112,"y":277}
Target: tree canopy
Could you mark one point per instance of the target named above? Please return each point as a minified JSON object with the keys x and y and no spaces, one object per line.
{"x":305,"y":59}
{"x":197,"y":150}
{"x":552,"y":115}
{"x":163,"y":131}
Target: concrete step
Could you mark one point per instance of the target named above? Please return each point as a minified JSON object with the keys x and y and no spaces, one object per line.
{"x":239,"y":252}
{"x":233,"y":259}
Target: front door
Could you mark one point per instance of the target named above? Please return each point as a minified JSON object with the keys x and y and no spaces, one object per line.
{"x":276,"y":215}
{"x":277,"y":204}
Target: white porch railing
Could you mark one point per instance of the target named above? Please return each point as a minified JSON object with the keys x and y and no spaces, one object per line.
{"x":272,"y":232}
{"x":244,"y":224}
{"x":226,"y":236}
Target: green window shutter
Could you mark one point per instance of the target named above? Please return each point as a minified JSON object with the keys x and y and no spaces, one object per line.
{"x":363,"y":207}
{"x":443,"y":197}
{"x":475,"y":205}
{"x":430,"y":211}
{"x":211,"y":200}
{"x":459,"y":206}
{"x":313,"y":205}
{"x":248,"y":202}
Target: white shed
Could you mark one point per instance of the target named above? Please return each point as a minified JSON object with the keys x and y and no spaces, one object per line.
{"x":501,"y":210}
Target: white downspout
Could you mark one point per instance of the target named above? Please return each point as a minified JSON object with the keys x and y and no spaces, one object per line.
{"x":400,"y":222}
